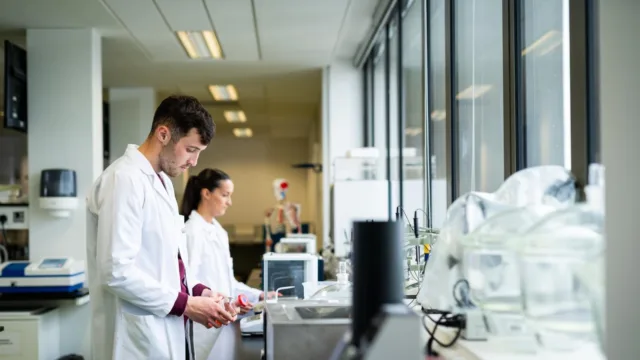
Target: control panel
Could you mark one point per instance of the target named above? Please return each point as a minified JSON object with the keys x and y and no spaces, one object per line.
{"x":14,"y":217}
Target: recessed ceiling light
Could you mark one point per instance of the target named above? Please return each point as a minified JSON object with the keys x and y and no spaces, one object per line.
{"x":235,"y":116}
{"x":243,"y":132}
{"x":200,"y":44}
{"x":223,"y":92}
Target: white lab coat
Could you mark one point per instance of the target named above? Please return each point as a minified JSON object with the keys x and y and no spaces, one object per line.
{"x":211,"y":262}
{"x":133,"y":238}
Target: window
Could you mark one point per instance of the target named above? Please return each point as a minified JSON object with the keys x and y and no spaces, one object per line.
{"x":394,"y":119}
{"x":367,"y":82}
{"x":545,"y":80}
{"x":437,"y":111}
{"x":380,"y":105}
{"x":479,"y":101}
{"x":414,"y":129}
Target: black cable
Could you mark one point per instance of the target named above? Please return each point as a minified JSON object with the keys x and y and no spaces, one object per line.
{"x":447,"y":320}
{"x":462,"y":300}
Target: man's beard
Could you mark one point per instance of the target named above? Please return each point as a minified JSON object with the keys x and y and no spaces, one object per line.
{"x":167,"y":162}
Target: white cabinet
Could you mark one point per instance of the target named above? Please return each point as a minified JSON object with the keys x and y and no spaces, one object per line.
{"x":29,"y":334}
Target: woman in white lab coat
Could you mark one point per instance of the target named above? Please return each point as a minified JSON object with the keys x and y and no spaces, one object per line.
{"x":207,"y":196}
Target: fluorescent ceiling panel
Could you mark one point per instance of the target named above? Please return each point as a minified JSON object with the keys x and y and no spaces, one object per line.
{"x":200,"y":44}
{"x":243,"y":132}
{"x":223,"y":92}
{"x":235,"y":116}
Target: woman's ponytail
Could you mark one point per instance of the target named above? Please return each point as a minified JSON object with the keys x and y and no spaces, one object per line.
{"x":191,"y":198}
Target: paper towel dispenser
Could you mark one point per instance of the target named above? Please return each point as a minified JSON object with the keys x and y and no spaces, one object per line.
{"x":58,"y":191}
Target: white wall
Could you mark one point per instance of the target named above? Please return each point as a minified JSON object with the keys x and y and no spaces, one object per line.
{"x":619,"y":79}
{"x":253,"y":164}
{"x":342,"y":123}
{"x":130,"y":116}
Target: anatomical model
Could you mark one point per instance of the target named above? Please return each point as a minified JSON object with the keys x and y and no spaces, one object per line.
{"x":283,"y":218}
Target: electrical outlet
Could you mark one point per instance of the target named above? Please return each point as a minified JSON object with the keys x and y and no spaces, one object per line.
{"x":17,"y":217}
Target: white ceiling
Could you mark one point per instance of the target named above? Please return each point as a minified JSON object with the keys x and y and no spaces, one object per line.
{"x":273,"y":48}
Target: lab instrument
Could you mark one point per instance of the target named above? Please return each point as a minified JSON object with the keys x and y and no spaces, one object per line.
{"x":296,"y":327}
{"x":252,"y":325}
{"x":383,"y":327}
{"x":49,"y":275}
{"x":288,"y":245}
{"x":284,"y":273}
{"x":288,"y":270}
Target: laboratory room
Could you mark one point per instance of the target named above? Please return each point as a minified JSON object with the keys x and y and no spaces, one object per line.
{"x":343,"y":179}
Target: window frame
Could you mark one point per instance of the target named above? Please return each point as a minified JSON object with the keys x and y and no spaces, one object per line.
{"x":585,"y":119}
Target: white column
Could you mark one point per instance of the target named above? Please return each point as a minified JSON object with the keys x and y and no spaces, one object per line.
{"x":620,"y":128}
{"x":342,"y":126}
{"x":65,"y":131}
{"x":130,"y":116}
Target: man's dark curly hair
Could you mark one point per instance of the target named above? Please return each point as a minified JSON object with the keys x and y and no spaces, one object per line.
{"x":182,"y":113}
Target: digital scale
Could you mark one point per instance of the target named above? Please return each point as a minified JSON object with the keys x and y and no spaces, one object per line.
{"x":49,"y":275}
{"x":252,"y":325}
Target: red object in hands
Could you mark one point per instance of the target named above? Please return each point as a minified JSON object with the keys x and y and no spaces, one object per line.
{"x":284,"y":185}
{"x":243,"y":301}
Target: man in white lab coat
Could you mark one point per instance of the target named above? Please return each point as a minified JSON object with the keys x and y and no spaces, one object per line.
{"x":143,"y":299}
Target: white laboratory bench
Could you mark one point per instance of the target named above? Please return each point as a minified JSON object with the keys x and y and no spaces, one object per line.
{"x":494,"y":350}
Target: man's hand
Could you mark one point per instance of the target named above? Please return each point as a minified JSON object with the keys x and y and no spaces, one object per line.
{"x":270,"y":295}
{"x":208,"y":311}
{"x":213,"y":294}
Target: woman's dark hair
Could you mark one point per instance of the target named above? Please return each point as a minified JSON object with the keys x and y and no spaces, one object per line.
{"x":207,"y":179}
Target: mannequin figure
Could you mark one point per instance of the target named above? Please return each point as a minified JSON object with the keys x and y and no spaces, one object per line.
{"x":281,"y":219}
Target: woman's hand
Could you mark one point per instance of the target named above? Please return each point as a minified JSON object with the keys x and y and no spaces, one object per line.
{"x":243,"y":308}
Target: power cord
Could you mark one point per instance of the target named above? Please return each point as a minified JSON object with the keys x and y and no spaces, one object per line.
{"x":447,"y":320}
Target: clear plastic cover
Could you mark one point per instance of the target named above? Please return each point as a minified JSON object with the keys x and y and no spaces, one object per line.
{"x":545,"y":185}
{"x":490,"y":262}
{"x":557,"y":304}
{"x":591,"y":277}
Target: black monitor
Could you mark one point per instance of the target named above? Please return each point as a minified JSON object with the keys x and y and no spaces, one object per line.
{"x":15,"y":87}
